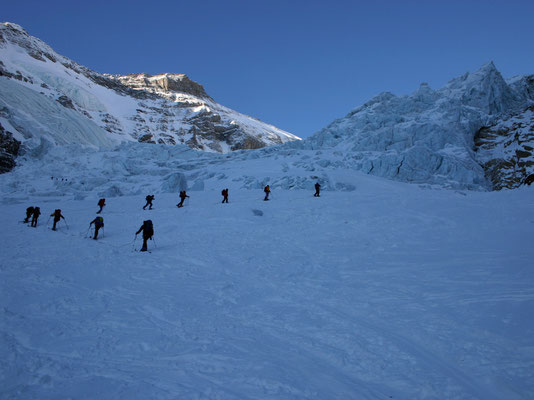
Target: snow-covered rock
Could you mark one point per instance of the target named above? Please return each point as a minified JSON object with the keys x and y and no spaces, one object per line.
{"x":506,"y":149}
{"x":44,"y":94}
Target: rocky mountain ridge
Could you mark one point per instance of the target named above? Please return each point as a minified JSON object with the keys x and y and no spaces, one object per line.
{"x":104,"y":108}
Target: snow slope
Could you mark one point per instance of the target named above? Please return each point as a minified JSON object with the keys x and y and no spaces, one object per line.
{"x":165,"y":108}
{"x":388,"y":291}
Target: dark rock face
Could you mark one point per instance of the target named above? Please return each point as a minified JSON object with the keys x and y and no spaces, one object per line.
{"x":249,"y":143}
{"x":505,"y":150}
{"x":9,"y":149}
{"x":65,"y":102}
{"x":148,"y":138}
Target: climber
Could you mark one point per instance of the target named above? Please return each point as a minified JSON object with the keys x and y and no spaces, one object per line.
{"x":57,"y":216}
{"x":35,"y":217}
{"x":101,"y":204}
{"x":225,"y":195}
{"x":183,"y":196}
{"x":149,"y":199}
{"x":99,"y":223}
{"x":29,"y":213}
{"x":317,"y":190}
{"x":148,"y":232}
{"x":267,"y":190}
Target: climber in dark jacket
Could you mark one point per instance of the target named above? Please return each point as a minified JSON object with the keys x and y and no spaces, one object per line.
{"x":317,"y":190}
{"x":149,"y":199}
{"x":148,"y":231}
{"x":35,"y":217}
{"x":183,"y":196}
{"x":225,"y":195}
{"x":99,"y":223}
{"x":29,"y":213}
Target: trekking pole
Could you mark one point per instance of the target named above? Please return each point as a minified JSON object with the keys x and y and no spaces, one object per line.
{"x":48,"y":220}
{"x":154,"y":240}
{"x":87,"y":231}
{"x":133,"y":244}
{"x":103,"y":232}
{"x":64,"y":220}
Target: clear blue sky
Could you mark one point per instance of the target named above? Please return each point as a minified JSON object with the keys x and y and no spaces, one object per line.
{"x":295,"y":64}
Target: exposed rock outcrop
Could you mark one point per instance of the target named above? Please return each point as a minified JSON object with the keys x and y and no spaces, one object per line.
{"x":506,"y":150}
{"x":169,"y":83}
{"x":9,"y":149}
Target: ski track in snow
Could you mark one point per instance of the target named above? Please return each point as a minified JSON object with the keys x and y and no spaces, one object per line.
{"x":387,"y":292}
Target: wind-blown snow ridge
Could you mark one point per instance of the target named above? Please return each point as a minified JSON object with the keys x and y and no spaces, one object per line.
{"x":165,"y":108}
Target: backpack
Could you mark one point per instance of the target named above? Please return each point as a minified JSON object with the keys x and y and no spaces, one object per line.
{"x":99,"y":222}
{"x":147,"y":198}
{"x":148,"y":229}
{"x":101,"y":202}
{"x":223,"y":192}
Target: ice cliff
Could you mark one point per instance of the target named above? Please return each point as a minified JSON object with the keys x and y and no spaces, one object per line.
{"x":427,"y":136}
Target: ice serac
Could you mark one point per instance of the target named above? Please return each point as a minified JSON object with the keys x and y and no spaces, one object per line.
{"x":428,"y":136}
{"x":165,"y":108}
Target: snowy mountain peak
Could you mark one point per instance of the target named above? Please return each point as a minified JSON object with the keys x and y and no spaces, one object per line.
{"x":486,"y":74}
{"x":485,"y":88}
{"x":12,"y":26}
{"x":47,"y":95}
{"x":427,"y":136}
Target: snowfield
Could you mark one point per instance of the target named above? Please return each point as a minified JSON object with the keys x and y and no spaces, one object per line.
{"x":387,"y":291}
